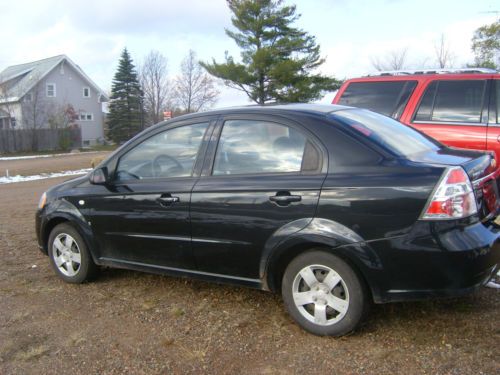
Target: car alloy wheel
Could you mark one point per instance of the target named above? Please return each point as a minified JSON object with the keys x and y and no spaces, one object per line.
{"x":69,"y":255}
{"x":324,"y":294}
{"x":66,"y":254}
{"x":320,"y":294}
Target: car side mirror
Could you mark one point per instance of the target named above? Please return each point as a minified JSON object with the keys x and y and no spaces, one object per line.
{"x":99,"y":176}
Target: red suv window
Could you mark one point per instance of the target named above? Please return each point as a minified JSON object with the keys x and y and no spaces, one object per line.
{"x":452,"y":101}
{"x":388,"y":98}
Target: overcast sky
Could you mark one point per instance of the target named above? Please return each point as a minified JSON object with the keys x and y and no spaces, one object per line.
{"x":351,"y":32}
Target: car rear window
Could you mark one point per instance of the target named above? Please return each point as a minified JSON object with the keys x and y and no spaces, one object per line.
{"x":391,"y":135}
{"x":388,"y":98}
{"x":452,"y":101}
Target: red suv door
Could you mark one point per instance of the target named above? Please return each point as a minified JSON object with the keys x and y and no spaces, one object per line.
{"x":452,"y":110}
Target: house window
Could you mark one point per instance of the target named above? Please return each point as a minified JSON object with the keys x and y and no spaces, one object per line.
{"x":51,"y":90}
{"x":6,"y":124}
{"x":86,"y":117}
{"x":86,"y":92}
{"x":27,"y":97}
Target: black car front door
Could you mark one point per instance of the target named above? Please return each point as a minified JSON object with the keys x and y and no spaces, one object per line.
{"x":145,"y":219}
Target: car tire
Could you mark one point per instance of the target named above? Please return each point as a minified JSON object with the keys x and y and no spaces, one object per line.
{"x":69,"y":255}
{"x":323,"y":294}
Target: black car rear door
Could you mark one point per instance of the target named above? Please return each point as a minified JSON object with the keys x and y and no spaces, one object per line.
{"x":261,"y":179}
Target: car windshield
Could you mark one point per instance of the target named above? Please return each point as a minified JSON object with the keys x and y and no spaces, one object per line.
{"x":395,"y":137}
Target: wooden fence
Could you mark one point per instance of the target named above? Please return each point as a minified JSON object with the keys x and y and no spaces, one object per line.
{"x":22,"y":140}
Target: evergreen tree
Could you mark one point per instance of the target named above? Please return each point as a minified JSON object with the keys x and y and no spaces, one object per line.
{"x":277,"y":59}
{"x":125,"y":118}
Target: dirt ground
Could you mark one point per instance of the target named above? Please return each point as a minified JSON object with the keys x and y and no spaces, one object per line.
{"x":133,"y":323}
{"x":28,"y":167}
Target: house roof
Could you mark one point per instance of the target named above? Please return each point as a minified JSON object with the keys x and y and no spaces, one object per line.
{"x":29,"y":74}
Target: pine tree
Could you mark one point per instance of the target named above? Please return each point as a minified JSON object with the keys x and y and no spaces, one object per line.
{"x":125,"y":118}
{"x":277,"y":60}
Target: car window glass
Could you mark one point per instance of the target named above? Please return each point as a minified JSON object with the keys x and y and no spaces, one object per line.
{"x":406,"y":92}
{"x":452,"y":101}
{"x":382,"y":97}
{"x":171,"y":153}
{"x":387,"y":133}
{"x":249,"y":147}
{"x":424,"y":111}
{"x":312,"y":158}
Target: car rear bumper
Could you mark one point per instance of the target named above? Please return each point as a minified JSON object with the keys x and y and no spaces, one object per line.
{"x":396,"y":295}
{"x":436,"y":259}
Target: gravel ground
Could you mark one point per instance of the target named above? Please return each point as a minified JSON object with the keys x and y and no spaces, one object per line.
{"x":27,"y":167}
{"x":135,"y":323}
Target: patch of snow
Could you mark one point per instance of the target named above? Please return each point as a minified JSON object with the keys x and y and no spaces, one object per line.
{"x":44,"y":156}
{"x":493,"y":285}
{"x":19,"y":178}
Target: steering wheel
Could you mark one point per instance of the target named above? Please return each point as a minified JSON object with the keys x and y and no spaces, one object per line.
{"x":122,"y":175}
{"x":163,"y":159}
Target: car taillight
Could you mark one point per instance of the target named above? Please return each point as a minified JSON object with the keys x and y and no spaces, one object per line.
{"x":453,"y":198}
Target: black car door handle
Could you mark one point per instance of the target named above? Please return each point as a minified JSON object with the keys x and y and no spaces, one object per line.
{"x":283,"y":200}
{"x":167,"y":199}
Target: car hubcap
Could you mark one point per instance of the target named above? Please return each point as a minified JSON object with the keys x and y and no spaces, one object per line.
{"x":320,"y":295}
{"x":66,"y":254}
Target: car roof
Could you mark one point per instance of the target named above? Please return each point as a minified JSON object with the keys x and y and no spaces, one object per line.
{"x":418,"y":76}
{"x":304,"y":108}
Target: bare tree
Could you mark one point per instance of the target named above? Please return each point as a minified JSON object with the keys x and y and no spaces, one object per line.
{"x":35,"y":111}
{"x":6,"y":104}
{"x":394,"y":60}
{"x":63,"y":116}
{"x":195,"y":89}
{"x":444,"y":56}
{"x":155,"y":84}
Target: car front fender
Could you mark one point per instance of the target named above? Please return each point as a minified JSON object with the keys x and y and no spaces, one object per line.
{"x":62,"y":210}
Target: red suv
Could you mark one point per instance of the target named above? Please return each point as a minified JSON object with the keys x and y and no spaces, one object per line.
{"x":459,"y":107}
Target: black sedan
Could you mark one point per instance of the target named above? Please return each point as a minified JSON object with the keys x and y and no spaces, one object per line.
{"x":334,"y":207}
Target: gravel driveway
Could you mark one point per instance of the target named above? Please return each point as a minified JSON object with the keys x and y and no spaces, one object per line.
{"x":129,"y":322}
{"x":58,"y":163}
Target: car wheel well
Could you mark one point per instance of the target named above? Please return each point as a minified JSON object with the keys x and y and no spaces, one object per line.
{"x":48,"y":228}
{"x":278,"y":266}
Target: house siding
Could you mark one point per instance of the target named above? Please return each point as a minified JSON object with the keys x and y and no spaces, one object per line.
{"x":69,"y":90}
